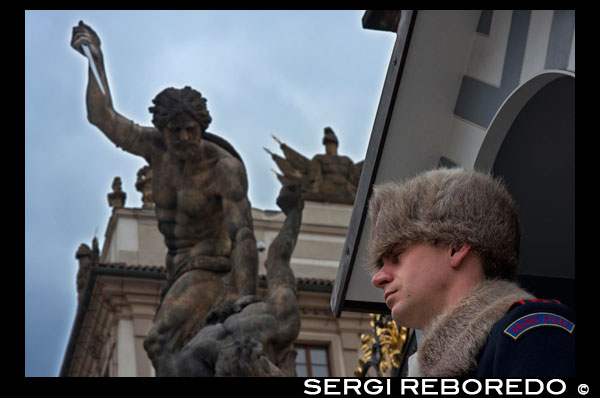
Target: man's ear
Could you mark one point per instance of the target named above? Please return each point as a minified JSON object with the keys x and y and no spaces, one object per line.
{"x":458,"y":254}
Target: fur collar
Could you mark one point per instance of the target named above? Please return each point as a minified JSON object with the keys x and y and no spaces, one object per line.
{"x":451,"y":344}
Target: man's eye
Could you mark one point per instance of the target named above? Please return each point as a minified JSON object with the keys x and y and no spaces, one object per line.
{"x":396,"y":257}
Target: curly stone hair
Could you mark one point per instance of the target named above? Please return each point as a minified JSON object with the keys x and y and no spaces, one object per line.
{"x":447,"y":208}
{"x":172,"y":101}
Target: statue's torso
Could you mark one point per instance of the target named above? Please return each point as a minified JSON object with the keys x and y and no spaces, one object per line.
{"x":190,"y":203}
{"x":336,"y":169}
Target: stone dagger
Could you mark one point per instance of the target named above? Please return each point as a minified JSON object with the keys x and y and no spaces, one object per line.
{"x":86,"y":50}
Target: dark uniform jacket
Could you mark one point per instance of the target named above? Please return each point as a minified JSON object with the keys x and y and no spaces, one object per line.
{"x":536,"y":338}
{"x":499,"y":330}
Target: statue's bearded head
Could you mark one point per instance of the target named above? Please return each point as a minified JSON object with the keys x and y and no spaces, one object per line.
{"x":182,"y":117}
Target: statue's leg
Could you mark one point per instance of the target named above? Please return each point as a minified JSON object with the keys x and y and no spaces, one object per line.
{"x":180,"y":316}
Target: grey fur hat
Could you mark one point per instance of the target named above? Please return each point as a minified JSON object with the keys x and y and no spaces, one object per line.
{"x":447,"y":207}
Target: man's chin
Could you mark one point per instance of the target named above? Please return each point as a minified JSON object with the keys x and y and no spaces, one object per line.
{"x":399,"y":316}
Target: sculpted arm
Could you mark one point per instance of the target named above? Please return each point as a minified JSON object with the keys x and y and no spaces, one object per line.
{"x":233,"y":188}
{"x":123,"y":132}
{"x":314,"y":172}
{"x":232,"y":177}
{"x":280,"y":277}
{"x":277,"y":263}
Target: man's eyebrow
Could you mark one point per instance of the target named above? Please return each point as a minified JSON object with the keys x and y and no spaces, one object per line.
{"x":394,"y":251}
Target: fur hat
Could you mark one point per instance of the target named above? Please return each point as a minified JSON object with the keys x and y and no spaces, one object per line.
{"x":447,"y":207}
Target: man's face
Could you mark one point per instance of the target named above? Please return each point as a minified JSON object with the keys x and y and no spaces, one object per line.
{"x":414,"y":281}
{"x":183,"y":135}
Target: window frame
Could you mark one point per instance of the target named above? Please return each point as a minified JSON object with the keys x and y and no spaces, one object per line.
{"x":307,"y":348}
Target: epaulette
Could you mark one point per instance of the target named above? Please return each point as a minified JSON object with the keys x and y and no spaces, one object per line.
{"x":536,"y":318}
{"x":522,"y":302}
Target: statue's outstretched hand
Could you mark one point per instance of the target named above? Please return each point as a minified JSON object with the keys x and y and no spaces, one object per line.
{"x":82,"y":33}
{"x":290,"y":197}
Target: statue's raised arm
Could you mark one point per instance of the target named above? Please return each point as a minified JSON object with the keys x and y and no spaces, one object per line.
{"x":100,"y":112}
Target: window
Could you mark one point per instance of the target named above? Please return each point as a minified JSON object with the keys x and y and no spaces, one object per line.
{"x":312,"y":361}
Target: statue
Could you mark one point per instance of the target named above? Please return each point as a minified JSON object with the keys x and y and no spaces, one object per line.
{"x":200,"y":194}
{"x":326,"y":177}
{"x":117,"y":197}
{"x":254,"y":336}
{"x":144,"y":185}
{"x":87,"y":257}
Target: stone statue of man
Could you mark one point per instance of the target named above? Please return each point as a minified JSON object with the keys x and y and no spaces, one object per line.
{"x":144,"y":185}
{"x":200,"y":194}
{"x":330,"y":176}
{"x":117,"y":197}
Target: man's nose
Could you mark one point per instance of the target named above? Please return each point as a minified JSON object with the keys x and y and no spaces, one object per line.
{"x":382,"y":277}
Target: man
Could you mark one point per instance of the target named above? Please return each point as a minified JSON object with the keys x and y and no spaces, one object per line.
{"x":444,"y":247}
{"x":200,"y":193}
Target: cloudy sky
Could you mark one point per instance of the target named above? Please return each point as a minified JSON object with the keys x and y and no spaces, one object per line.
{"x":286,"y":73}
